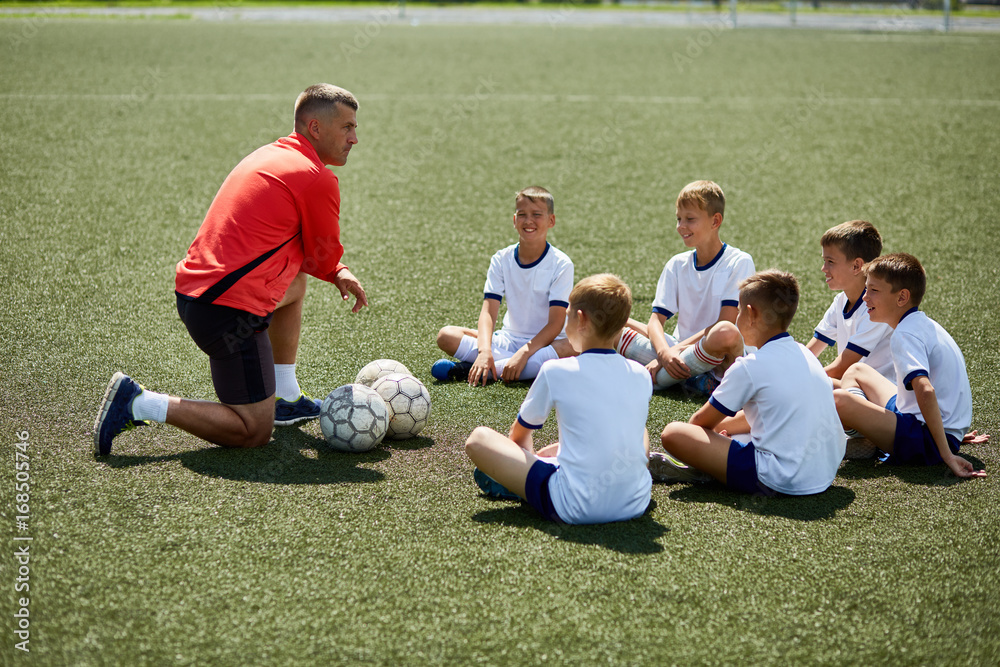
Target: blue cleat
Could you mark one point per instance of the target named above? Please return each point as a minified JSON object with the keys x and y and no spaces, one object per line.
{"x":287,"y":413}
{"x":491,"y":487}
{"x":703,"y":384}
{"x":115,"y":414}
{"x":446,"y":370}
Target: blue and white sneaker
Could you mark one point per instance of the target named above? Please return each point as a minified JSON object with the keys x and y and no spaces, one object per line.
{"x":287,"y":413}
{"x":703,"y":384}
{"x":491,"y":487}
{"x":115,"y":414}
{"x":446,"y":370}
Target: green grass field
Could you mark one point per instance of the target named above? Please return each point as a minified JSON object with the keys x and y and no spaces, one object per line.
{"x":114,"y":138}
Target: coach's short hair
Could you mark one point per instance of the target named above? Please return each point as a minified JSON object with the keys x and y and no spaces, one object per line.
{"x":706,"y":195}
{"x":606,"y":299}
{"x":321,"y":98}
{"x":774,"y":294}
{"x":901,"y":271}
{"x":857,"y":238}
{"x":535,"y":194}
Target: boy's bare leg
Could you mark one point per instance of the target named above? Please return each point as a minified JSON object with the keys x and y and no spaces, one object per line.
{"x":698,"y":447}
{"x":500,"y":457}
{"x":871,"y":420}
{"x":723,"y":340}
{"x":226,"y":425}
{"x":564,"y":348}
{"x":449,"y":338}
{"x":548,"y":451}
{"x":864,"y":377}
{"x":638,"y":327}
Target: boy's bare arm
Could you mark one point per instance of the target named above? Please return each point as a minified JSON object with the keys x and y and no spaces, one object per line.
{"x":522,"y":435}
{"x":730,"y":426}
{"x":816,"y":346}
{"x":707,"y":417}
{"x":844,"y":360}
{"x":484,"y":367}
{"x":666,"y":357}
{"x":514,"y":366}
{"x":926,"y":397}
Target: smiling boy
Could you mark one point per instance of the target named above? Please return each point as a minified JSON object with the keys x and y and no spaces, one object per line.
{"x":925,"y":416}
{"x":846,"y":325}
{"x":700,"y":287}
{"x":536,"y":278}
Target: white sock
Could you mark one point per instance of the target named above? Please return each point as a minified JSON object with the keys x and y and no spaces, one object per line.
{"x":150,"y":405}
{"x":633,"y":345}
{"x":850,"y":432}
{"x":287,"y":386}
{"x":696,"y":359}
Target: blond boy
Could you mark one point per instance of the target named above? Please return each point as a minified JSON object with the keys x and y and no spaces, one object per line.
{"x":700,"y":287}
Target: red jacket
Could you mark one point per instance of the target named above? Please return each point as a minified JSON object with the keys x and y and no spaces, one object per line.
{"x":278,"y":212}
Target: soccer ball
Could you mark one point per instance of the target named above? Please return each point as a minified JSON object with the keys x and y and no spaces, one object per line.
{"x":353,"y":418}
{"x":408,"y":401}
{"x":379,"y":368}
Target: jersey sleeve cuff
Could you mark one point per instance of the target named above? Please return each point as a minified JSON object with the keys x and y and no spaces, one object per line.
{"x":858,"y":349}
{"x":663,"y":311}
{"x":720,"y":407}
{"x":913,"y":375}
{"x":730,"y":302}
{"x":824,"y":339}
{"x":491,"y":295}
{"x":528,"y":425}
{"x":560,"y":304}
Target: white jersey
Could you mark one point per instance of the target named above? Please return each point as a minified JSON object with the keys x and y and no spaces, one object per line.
{"x":602,"y":402}
{"x":794,"y":427}
{"x":530,"y":289}
{"x":921,"y":346}
{"x":696,"y":294}
{"x":852,"y":329}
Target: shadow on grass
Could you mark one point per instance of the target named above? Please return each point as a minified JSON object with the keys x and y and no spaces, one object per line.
{"x":801,"y":508}
{"x":938,"y":475}
{"x":637,"y":536}
{"x":292,"y":457}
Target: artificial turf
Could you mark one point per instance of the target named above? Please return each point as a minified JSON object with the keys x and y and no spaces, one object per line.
{"x":115,"y":136}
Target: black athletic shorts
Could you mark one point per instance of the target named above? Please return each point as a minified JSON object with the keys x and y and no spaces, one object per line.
{"x":238,"y":348}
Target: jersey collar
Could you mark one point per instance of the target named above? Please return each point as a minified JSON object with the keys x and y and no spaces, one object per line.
{"x":517,"y":257}
{"x":599,"y":350}
{"x":694,"y":258}
{"x":783,"y":334}
{"x":849,"y":313}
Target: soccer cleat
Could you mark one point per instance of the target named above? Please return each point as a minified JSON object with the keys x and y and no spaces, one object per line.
{"x":703,"y":384}
{"x":115,"y":414}
{"x":859,"y":448}
{"x":287,"y":413}
{"x":446,"y":369}
{"x":491,"y":487}
{"x":664,"y":468}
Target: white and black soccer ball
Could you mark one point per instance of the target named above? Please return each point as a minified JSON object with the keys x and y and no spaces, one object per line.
{"x":354,"y":418}
{"x":408,"y":401}
{"x":379,"y":369}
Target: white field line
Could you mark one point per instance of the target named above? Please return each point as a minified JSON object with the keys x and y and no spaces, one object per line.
{"x":551,"y":99}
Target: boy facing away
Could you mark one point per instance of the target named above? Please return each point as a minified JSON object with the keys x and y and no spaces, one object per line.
{"x":796,"y":442}
{"x":601,"y":400}
{"x":846,"y":249}
{"x":701,"y":287}
{"x":923,"y":418}
{"x":536,"y":278}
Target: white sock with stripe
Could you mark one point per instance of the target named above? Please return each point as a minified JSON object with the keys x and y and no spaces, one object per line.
{"x":286,"y":384}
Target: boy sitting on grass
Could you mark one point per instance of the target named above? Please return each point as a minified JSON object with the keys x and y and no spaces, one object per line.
{"x":923,"y":418}
{"x":846,"y":249}
{"x":796,"y":442}
{"x":701,"y":287}
{"x":599,"y":473}
{"x":536,"y":278}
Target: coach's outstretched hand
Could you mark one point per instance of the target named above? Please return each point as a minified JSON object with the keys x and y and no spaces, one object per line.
{"x":348,"y":285}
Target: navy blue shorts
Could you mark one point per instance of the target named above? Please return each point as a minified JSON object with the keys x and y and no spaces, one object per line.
{"x":913,"y":443}
{"x":238,"y":349}
{"x":741,"y":471}
{"x":536,"y":489}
